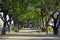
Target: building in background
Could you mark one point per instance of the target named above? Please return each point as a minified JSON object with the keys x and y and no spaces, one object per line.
{"x":1,"y":21}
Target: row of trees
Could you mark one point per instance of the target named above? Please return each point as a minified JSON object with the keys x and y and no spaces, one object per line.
{"x":30,"y":11}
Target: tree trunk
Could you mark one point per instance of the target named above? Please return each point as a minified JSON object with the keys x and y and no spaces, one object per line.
{"x":55,"y":29}
{"x":5,"y":21}
{"x":46,"y":27}
{"x":9,"y":27}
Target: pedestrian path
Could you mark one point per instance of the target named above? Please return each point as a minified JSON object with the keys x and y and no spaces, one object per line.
{"x":29,"y":38}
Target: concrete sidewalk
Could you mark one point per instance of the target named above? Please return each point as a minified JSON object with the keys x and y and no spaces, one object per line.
{"x":32,"y":33}
{"x":28,"y":38}
{"x":29,"y":35}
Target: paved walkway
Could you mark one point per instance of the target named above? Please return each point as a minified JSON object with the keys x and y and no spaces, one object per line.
{"x":30,"y":38}
{"x":29,"y":35}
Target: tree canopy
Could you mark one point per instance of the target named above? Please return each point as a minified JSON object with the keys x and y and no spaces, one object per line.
{"x":31,"y":11}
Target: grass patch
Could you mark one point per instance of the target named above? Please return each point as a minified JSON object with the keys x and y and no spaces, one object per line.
{"x":58,"y":29}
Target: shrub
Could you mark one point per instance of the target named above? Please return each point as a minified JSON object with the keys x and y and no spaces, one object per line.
{"x":58,"y":29}
{"x":38,"y":31}
{"x":16,"y":29}
{"x":43,"y":29}
{"x":50,"y":29}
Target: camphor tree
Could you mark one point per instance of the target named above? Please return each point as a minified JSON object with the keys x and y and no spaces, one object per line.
{"x":31,"y":10}
{"x":14,"y":8}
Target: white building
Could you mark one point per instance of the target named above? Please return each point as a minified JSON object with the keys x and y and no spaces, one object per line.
{"x":1,"y":21}
{"x":51,"y":22}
